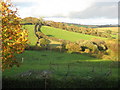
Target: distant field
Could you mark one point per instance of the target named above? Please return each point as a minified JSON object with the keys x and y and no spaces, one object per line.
{"x":78,"y":25}
{"x":66,"y":35}
{"x":114,"y":29}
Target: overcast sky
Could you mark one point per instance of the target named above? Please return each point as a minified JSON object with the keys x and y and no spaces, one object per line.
{"x":72,"y":11}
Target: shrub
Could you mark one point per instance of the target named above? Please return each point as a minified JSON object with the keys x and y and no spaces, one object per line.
{"x":44,"y":42}
{"x":73,"y":47}
{"x":112,"y":46}
{"x":108,"y":31}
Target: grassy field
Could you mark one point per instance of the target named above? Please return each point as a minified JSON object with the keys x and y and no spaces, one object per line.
{"x":78,"y":25}
{"x":31,"y":34}
{"x":60,"y":64}
{"x":58,"y":33}
{"x":114,"y":29}
{"x":66,"y":35}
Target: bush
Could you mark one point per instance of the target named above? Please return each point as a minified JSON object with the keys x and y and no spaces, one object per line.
{"x":44,"y":42}
{"x":112,"y":46}
{"x":73,"y":47}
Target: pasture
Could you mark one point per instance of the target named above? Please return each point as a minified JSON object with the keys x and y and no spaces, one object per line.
{"x":58,"y":33}
{"x":51,"y":69}
{"x":66,"y":35}
{"x":60,"y":66}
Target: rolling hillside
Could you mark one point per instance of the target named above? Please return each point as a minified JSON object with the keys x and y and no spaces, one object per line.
{"x":66,"y":35}
{"x":58,"y":33}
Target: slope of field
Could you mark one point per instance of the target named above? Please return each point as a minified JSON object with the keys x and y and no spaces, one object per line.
{"x":66,"y":35}
{"x":31,"y":34}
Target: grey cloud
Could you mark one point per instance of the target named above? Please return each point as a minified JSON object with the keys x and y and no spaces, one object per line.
{"x":97,"y":10}
{"x":25,"y":4}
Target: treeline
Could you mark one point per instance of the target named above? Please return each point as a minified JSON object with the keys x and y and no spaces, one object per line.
{"x":29,"y":21}
{"x":82,"y":30}
{"x":93,"y":26}
{"x":107,"y":25}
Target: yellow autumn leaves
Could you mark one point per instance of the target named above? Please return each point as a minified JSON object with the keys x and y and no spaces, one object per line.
{"x":14,"y":38}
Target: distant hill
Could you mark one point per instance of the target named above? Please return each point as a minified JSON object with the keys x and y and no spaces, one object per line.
{"x":92,"y":26}
{"x":107,"y":25}
{"x":29,"y":21}
{"x":81,"y":25}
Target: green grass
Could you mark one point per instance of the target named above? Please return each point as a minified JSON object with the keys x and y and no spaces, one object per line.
{"x":66,"y":35}
{"x":80,"y":70}
{"x":80,"y":64}
{"x":115,"y":36}
{"x":58,"y":33}
{"x":31,"y":35}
